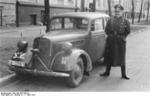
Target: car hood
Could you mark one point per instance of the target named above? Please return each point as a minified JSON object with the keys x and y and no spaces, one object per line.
{"x":51,"y":43}
{"x":65,"y":35}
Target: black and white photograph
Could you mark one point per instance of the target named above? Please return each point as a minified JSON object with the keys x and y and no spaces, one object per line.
{"x":74,"y":46}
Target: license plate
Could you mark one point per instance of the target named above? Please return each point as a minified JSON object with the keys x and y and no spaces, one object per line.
{"x":17,"y":63}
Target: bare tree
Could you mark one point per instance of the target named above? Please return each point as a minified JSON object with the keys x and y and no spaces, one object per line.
{"x":133,"y":13}
{"x":94,"y":5}
{"x":109,"y":7}
{"x":141,"y":11}
{"x":47,"y":15}
{"x":17,"y":13}
{"x":147,"y":17}
{"x":82,"y":5}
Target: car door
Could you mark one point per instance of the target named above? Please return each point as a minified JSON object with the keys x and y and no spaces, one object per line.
{"x":97,"y":39}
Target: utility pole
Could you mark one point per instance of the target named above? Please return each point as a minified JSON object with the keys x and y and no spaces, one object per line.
{"x":47,"y":15}
{"x":17,"y":13}
{"x":109,"y":7}
{"x":132,"y":12}
{"x":141,"y":11}
{"x":148,"y":10}
{"x":82,"y":5}
{"x":1,"y":10}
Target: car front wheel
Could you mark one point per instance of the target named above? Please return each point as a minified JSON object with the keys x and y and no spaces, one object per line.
{"x":76,"y":75}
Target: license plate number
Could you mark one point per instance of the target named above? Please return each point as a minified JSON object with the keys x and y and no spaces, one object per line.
{"x":17,"y":63}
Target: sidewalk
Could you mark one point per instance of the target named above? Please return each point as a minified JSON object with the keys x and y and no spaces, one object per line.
{"x":21,"y":29}
{"x":136,"y":21}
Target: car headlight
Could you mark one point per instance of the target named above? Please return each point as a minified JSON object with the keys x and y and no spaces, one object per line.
{"x":22,"y":46}
{"x":18,"y":56}
{"x":67,"y":47}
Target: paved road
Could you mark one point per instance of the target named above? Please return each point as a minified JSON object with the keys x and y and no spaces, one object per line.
{"x":138,"y":68}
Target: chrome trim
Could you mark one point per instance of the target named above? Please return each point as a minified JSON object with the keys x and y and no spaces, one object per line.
{"x":52,"y":62}
{"x":51,"y":47}
{"x":78,"y":42}
{"x":37,"y":72}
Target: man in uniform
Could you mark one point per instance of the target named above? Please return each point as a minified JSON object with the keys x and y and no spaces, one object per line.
{"x":117,"y":29}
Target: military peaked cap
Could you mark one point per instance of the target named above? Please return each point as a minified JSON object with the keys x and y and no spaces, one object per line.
{"x":119,"y":6}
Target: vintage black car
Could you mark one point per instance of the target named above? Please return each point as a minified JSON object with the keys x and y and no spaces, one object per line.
{"x":75,"y":41}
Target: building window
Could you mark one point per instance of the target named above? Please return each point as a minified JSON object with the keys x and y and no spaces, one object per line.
{"x":53,"y":2}
{"x":60,"y":2}
{"x":70,"y":2}
{"x":98,"y":25}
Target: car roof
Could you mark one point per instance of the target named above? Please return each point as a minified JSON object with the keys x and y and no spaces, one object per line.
{"x":88,"y":15}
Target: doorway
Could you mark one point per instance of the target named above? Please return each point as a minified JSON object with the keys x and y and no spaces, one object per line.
{"x":33,"y":19}
{"x":42,"y":17}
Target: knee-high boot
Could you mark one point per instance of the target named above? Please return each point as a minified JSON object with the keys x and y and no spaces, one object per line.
{"x":107,"y":71}
{"x":123,"y":72}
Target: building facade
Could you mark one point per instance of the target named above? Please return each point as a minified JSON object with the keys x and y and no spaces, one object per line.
{"x":32,"y":13}
{"x":28,"y":12}
{"x":1,"y":14}
{"x":7,"y":12}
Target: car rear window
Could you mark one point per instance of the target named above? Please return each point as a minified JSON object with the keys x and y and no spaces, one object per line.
{"x":69,"y":23}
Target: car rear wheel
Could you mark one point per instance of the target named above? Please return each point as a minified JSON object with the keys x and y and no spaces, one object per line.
{"x":76,"y":75}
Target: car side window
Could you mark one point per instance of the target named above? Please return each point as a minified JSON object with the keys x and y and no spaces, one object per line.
{"x":56,"y":24}
{"x":81,"y":24}
{"x":69,"y":24}
{"x":97,"y":25}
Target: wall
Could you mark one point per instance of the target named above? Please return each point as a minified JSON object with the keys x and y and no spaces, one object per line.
{"x":8,"y":12}
{"x":28,"y":9}
{"x":32,"y":7}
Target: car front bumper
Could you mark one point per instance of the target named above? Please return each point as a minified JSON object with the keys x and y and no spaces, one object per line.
{"x":38,"y":72}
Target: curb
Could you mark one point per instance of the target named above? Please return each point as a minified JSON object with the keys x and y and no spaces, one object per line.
{"x":21,"y":29}
{"x":5,"y":80}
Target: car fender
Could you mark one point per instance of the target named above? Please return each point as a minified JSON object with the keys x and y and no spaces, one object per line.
{"x":65,"y":62}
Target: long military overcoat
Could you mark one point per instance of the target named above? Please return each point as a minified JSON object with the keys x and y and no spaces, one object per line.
{"x":117,"y":29}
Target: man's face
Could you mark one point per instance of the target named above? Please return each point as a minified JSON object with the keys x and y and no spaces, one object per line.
{"x":118,"y":12}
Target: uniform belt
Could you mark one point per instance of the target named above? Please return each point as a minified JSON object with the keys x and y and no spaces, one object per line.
{"x":117,"y":35}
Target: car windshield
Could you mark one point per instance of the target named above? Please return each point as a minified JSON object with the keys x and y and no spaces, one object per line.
{"x":68,"y":23}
